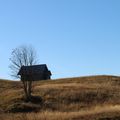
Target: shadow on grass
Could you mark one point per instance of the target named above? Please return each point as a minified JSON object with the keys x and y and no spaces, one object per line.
{"x":112,"y":118}
{"x":34,"y":105}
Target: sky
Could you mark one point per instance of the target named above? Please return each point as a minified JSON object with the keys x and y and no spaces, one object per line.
{"x":73,"y":37}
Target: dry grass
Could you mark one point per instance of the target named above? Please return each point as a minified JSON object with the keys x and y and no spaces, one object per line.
{"x":97,"y":113}
{"x":84,"y":98}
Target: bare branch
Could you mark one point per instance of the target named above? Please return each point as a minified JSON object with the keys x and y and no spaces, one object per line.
{"x":23,"y":55}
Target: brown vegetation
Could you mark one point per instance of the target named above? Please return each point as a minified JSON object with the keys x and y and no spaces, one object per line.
{"x":84,"y":98}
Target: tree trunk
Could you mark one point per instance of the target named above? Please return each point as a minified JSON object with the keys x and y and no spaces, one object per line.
{"x":29,"y":89}
{"x":25,"y":89}
{"x":27,"y":85}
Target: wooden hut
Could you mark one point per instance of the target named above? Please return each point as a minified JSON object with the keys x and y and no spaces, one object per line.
{"x":34,"y":72}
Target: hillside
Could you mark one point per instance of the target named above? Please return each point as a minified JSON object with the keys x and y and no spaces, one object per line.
{"x":82,"y":98}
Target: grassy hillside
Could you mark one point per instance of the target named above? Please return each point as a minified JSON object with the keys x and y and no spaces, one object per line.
{"x":83,"y":98}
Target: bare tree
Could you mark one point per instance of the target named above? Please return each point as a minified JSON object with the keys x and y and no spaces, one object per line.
{"x":23,"y":56}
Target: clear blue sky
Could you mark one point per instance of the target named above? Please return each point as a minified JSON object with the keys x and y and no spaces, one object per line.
{"x":73,"y":37}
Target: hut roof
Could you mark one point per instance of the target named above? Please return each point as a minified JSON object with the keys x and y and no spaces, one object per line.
{"x":34,"y":69}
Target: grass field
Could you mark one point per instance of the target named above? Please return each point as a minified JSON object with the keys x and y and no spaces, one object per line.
{"x":82,"y":98}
